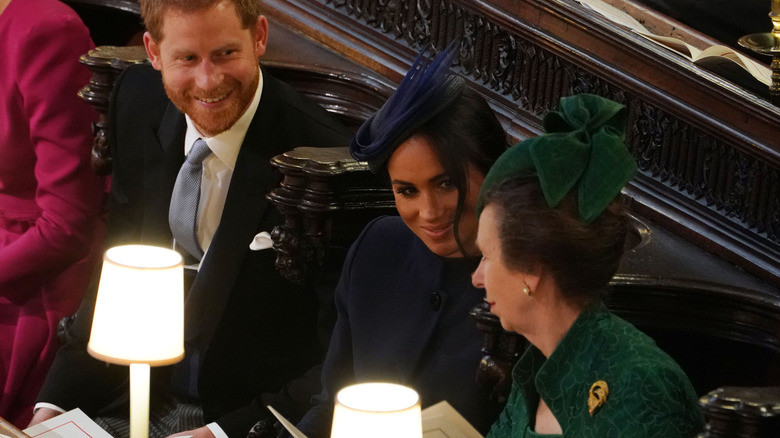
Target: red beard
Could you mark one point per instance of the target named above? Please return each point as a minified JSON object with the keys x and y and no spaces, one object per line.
{"x":214,"y":121}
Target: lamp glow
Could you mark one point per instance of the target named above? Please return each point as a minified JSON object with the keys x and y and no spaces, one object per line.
{"x":378,"y":410}
{"x":139,"y":318}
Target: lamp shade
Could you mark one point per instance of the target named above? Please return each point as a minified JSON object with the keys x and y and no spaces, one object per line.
{"x":139,"y":311}
{"x":378,"y":410}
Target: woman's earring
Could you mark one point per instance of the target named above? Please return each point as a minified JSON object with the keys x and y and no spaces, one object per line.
{"x":527,"y":289}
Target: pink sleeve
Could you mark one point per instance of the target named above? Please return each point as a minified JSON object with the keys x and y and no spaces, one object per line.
{"x":69,"y":194}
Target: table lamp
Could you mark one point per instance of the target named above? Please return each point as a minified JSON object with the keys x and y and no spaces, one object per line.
{"x":139,"y":318}
{"x":378,"y":410}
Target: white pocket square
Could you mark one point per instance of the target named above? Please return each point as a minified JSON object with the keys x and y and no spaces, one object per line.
{"x":261,"y":241}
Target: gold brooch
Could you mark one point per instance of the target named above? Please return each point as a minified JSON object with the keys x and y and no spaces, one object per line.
{"x":597,"y":396}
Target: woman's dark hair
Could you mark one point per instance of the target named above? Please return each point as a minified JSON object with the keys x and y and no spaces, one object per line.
{"x":582,"y":257}
{"x":466,"y":133}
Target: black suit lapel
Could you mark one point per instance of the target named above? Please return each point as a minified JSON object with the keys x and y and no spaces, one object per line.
{"x":161,"y":166}
{"x":172,"y":131}
{"x":242,"y":217}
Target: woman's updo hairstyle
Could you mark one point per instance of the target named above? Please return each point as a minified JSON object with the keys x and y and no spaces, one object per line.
{"x":581,"y":256}
{"x":554,"y":196}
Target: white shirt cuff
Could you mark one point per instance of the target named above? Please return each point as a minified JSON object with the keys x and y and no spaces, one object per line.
{"x":48,"y":405}
{"x":216,"y":430}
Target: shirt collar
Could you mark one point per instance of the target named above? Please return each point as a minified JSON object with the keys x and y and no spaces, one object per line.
{"x":226,"y":145}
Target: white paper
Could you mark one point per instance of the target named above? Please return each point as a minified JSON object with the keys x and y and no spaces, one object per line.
{"x":438,"y":421}
{"x":71,"y":424}
{"x":286,"y":423}
{"x":443,"y":421}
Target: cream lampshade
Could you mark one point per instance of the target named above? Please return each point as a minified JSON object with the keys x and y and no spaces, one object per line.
{"x":377,"y":410}
{"x":139,"y":318}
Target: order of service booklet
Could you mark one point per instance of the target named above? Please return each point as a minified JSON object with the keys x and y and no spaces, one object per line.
{"x":71,"y":424}
{"x":721,"y":60}
{"x":438,"y":421}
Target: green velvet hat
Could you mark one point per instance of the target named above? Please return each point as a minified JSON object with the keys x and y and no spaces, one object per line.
{"x":583,"y":147}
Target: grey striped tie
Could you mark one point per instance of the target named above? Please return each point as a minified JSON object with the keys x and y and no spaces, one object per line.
{"x":183,"y":212}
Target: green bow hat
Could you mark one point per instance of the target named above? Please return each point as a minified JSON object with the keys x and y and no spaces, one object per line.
{"x":583,"y":146}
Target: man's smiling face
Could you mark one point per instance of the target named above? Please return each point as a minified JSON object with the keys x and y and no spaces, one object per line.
{"x":209,"y":64}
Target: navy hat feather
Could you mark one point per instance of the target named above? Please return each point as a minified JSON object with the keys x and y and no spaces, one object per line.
{"x":428,"y":88}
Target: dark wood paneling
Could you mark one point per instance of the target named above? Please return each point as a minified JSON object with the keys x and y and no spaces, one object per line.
{"x":707,"y":150}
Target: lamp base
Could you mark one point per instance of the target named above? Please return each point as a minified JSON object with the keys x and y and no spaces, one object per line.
{"x":139,"y":400}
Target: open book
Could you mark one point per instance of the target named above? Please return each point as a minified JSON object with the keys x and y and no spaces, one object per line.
{"x":721,"y":60}
{"x":438,"y":421}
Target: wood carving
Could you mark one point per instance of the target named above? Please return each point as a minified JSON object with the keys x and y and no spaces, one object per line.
{"x":721,"y":171}
{"x":106,"y":63}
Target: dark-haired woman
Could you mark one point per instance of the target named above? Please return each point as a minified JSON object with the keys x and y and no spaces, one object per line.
{"x":552,"y":236}
{"x":405,"y":290}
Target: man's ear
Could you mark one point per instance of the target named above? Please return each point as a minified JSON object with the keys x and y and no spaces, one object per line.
{"x":261,"y":36}
{"x":153,"y":51}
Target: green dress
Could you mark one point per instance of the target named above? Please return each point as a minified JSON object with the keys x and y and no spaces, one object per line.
{"x":649,"y":395}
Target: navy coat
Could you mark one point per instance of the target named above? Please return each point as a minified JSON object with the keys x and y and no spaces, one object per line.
{"x":403,"y":317}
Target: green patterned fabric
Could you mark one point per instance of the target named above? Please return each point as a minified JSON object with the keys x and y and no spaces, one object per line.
{"x":649,"y":395}
{"x":582,"y":147}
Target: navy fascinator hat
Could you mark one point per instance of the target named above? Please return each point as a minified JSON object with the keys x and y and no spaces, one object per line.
{"x":428,"y":88}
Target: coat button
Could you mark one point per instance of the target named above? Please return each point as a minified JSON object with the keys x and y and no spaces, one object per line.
{"x":435,"y":300}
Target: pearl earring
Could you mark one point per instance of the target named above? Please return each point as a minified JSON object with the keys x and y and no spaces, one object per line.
{"x":527,"y":289}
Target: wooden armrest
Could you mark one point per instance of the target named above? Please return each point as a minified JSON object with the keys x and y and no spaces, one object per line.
{"x":326,"y":198}
{"x":106,"y":63}
{"x":742,"y":411}
{"x":8,"y":429}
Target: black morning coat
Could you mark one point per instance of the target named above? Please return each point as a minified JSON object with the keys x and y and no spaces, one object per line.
{"x":256,"y":330}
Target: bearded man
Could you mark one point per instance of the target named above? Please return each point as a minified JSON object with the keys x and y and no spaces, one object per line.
{"x":248,"y":331}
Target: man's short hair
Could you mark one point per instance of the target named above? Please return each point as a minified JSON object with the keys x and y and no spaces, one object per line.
{"x":152,"y":12}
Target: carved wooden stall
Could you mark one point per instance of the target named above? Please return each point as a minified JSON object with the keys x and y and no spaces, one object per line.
{"x":703,"y":277}
{"x":703,"y":273}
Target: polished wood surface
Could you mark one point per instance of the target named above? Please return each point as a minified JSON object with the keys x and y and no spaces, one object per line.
{"x":742,"y":412}
{"x":106,"y":63}
{"x":11,"y":431}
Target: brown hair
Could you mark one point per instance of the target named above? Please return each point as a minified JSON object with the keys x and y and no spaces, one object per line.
{"x":581,"y":257}
{"x":466,"y":133}
{"x":153,"y":11}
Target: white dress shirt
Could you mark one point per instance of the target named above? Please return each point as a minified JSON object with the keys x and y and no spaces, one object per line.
{"x":218,"y":168}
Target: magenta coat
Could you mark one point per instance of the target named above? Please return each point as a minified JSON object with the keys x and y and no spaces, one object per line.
{"x":51,"y":218}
